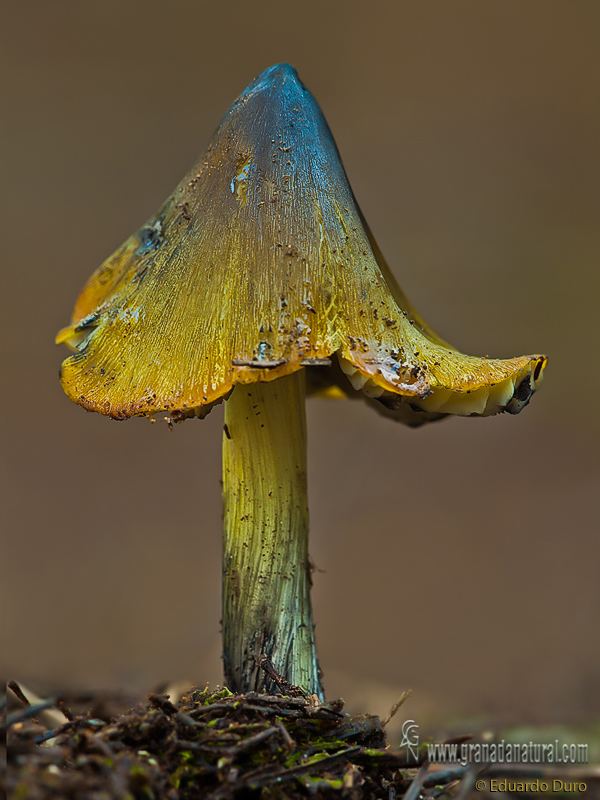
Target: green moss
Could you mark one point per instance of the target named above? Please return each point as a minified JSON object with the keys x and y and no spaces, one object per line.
{"x":220,"y":693}
{"x":185,"y":775}
{"x":317,"y":782}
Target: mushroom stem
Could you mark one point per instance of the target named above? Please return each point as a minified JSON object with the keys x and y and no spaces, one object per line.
{"x":266,"y":572}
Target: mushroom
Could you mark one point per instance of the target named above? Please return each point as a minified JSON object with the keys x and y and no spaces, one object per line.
{"x":258,"y":280}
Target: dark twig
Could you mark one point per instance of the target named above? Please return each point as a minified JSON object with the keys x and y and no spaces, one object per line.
{"x":56,"y":732}
{"x":208,"y":710}
{"x":97,"y":742}
{"x":467,"y":784}
{"x":251,"y":741}
{"x":18,"y":692}
{"x":284,"y":685}
{"x":30,"y":711}
{"x":66,"y":710}
{"x":163,"y":703}
{"x":445,"y":776}
{"x":417,"y":783}
{"x":185,"y":719}
{"x":394,"y":709}
{"x":444,"y":789}
{"x":287,"y":739}
{"x":50,"y":716}
{"x":245,"y":744}
{"x":275,"y":699}
{"x":281,"y":776}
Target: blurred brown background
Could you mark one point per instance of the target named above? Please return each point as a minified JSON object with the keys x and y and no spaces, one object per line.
{"x":461,"y":560}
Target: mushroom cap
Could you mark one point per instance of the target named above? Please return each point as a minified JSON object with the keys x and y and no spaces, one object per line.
{"x":259,"y":264}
